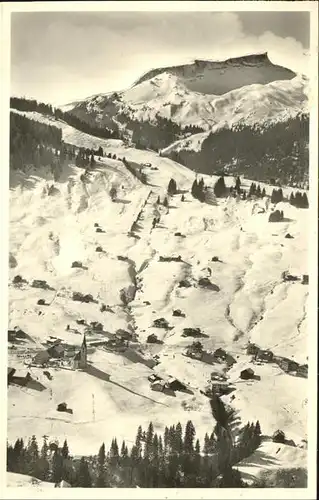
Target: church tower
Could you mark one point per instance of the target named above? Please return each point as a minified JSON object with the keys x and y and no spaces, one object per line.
{"x":80,"y":359}
{"x":83,"y":354}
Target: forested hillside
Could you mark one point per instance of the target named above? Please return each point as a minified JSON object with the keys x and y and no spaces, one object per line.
{"x":277,"y":153}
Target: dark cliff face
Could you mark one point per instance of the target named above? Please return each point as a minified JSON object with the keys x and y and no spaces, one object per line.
{"x":220,"y":77}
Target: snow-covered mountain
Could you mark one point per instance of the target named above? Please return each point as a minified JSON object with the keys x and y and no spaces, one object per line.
{"x":205,"y":94}
{"x":175,"y":109}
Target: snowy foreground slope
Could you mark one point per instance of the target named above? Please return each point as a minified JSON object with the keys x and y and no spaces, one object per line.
{"x":48,"y":233}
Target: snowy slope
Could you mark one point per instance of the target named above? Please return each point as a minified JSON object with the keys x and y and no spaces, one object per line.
{"x":48,"y":233}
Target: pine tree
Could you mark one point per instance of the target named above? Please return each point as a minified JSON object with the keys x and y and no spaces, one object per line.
{"x":101,"y":468}
{"x":165,"y":202}
{"x":220,"y":188}
{"x":172,"y":187}
{"x":258,"y":191}
{"x":194,"y":189}
{"x":263,"y":193}
{"x":149,"y":441}
{"x":189,"y":437}
{"x":83,"y":478}
{"x":183,"y":198}
{"x":57,"y":467}
{"x":206,"y":448}
{"x":244,"y":195}
{"x":292,"y":199}
{"x":305,"y":203}
{"x":274,"y":196}
{"x":178,"y":438}
{"x":65,"y":450}
{"x":158,"y":201}
{"x":237,"y":184}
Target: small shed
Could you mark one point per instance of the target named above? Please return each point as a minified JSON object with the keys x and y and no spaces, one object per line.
{"x":56,"y":351}
{"x":305,"y":279}
{"x":247,"y":374}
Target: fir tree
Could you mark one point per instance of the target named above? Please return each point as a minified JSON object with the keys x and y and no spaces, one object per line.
{"x":305,"y":203}
{"x":194,"y":189}
{"x":83,"y":478}
{"x":183,"y":198}
{"x":172,"y":188}
{"x":237,"y":184}
{"x":65,"y":450}
{"x":165,"y":202}
{"x":292,"y":198}
{"x":57,"y":467}
{"x":101,"y":468}
{"x":220,"y":188}
{"x":263,"y":193}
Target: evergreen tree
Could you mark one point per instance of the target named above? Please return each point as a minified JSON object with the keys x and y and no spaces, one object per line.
{"x":244,"y":195}
{"x":220,"y":188}
{"x":172,"y":188}
{"x":101,"y":468}
{"x":292,"y":198}
{"x":189,"y":436}
{"x":57,"y":467}
{"x":194,"y":189}
{"x":158,"y":200}
{"x":263,"y":193}
{"x":237,"y":184}
{"x":165,"y":202}
{"x":65,"y":450}
{"x":274,"y":196}
{"x":183,"y":198}
{"x":258,"y":191}
{"x":83,"y":478}
{"x":305,"y":203}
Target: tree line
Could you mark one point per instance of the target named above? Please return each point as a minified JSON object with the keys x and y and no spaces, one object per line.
{"x":175,"y":458}
{"x":23,"y":104}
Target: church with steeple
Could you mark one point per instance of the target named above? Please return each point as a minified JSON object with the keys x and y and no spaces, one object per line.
{"x":80,"y":359}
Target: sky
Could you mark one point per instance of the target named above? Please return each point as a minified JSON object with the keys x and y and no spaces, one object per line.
{"x":59,"y":57}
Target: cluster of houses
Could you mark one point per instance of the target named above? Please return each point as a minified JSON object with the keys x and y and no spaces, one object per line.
{"x":196,"y":351}
{"x":167,"y":385}
{"x":286,"y":364}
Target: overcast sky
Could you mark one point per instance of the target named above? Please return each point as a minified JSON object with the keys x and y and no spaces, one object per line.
{"x":59,"y":57}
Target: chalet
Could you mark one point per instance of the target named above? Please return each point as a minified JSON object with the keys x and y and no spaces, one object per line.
{"x":191,"y":332}
{"x":305,"y":279}
{"x":220,"y":354}
{"x":219,"y":387}
{"x":287,"y":365}
{"x":39,"y":284}
{"x":252,"y":349}
{"x":152,"y":339}
{"x":302,"y":371}
{"x":265,"y":355}
{"x":175,"y":385}
{"x":178,"y":313}
{"x":10,"y":373}
{"x":160,"y":323}
{"x":230,"y":360}
{"x":56,"y":350}
{"x":62,"y":484}
{"x":41,"y":357}
{"x":194,"y":354}
{"x":247,"y":374}
{"x":20,"y":379}
{"x":158,"y":385}
{"x":154,"y":378}
{"x":279,"y":437}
